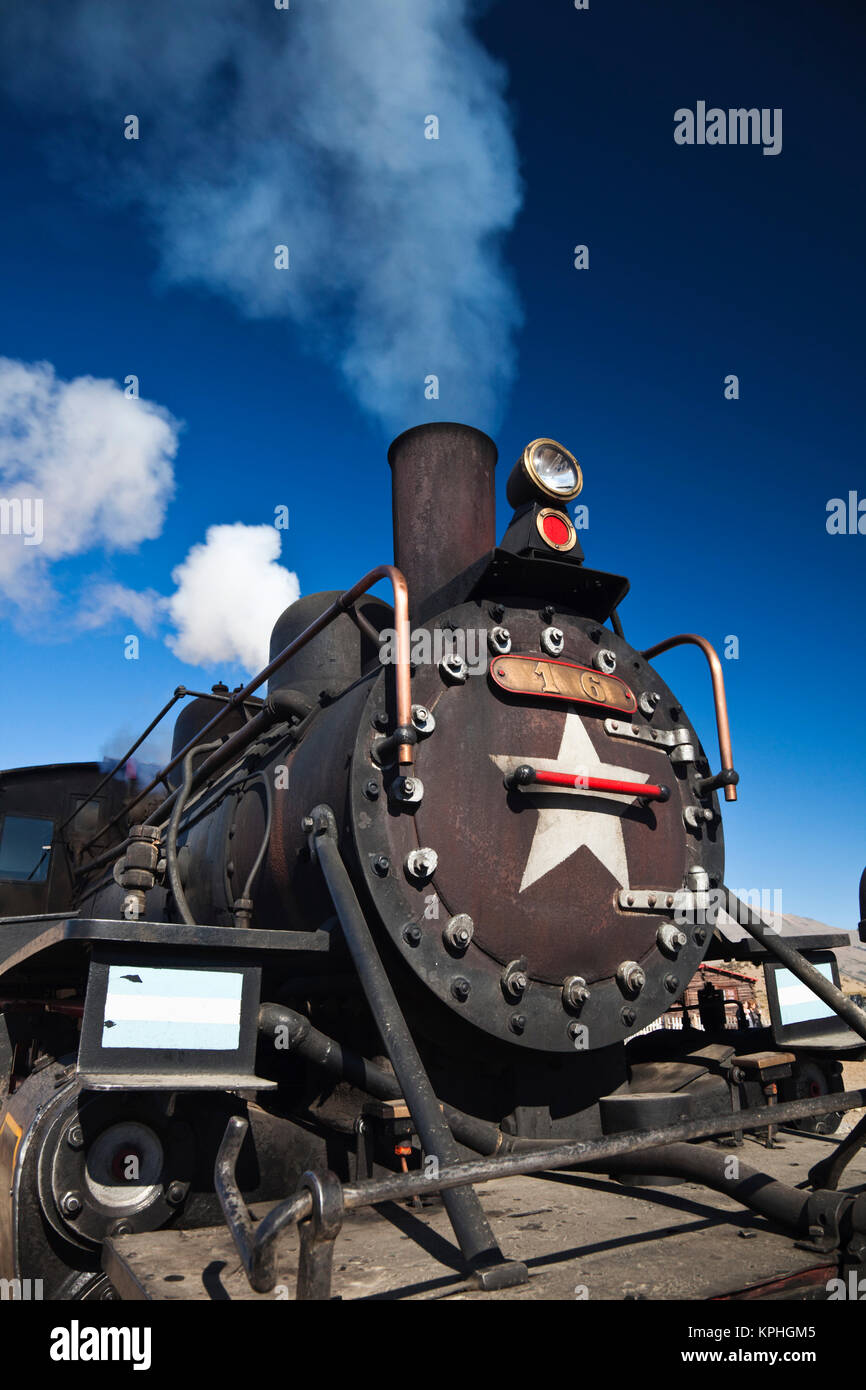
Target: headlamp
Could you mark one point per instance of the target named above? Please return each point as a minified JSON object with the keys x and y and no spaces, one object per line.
{"x":545,"y":469}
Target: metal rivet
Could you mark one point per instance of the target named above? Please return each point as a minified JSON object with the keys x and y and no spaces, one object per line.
{"x":630,"y":978}
{"x":604,"y":660}
{"x":670,"y":939}
{"x":75,"y":1137}
{"x":371,"y":790}
{"x":422,"y":719}
{"x":381,"y":864}
{"x":70,"y":1204}
{"x":458,"y":931}
{"x":514,"y":978}
{"x":672,"y":983}
{"x":421,"y":864}
{"x":460,"y":988}
{"x":517,"y":1023}
{"x":574,"y":992}
{"x":453,"y":669}
{"x":628,"y":1017}
{"x":412,"y":935}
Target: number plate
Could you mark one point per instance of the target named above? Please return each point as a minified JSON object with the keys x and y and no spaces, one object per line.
{"x":561,"y":680}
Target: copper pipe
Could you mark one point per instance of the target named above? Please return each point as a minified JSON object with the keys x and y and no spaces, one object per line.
{"x":719,"y":698}
{"x":403,"y":676}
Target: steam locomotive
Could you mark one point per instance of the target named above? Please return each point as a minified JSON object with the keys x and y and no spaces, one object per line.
{"x":421,"y":897}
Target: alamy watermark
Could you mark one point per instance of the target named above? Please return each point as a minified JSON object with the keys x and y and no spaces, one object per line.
{"x":736,"y":126}
{"x":703,"y":908}
{"x":431,"y":648}
{"x":22,"y":516}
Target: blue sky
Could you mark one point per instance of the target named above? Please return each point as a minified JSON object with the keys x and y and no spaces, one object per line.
{"x":703,"y":262}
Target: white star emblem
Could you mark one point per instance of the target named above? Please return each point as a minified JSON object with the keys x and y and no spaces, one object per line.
{"x":562,"y":830}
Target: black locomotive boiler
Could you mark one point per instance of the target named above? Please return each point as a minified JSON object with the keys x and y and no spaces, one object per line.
{"x":416,"y":902}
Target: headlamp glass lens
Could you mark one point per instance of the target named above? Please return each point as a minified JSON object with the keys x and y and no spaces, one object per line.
{"x":555,"y":470}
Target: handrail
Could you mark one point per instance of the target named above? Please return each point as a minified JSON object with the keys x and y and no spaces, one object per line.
{"x":719,"y":698}
{"x":403,"y":677}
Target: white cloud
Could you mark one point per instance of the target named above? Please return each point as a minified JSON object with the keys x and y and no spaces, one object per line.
{"x":105,"y":601}
{"x":100,"y":463}
{"x":230,"y":592}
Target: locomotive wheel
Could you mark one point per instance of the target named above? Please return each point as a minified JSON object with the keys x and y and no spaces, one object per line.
{"x":85,"y":1287}
{"x":810,"y":1079}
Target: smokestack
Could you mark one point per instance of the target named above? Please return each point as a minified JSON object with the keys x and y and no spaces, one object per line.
{"x":444,"y":504}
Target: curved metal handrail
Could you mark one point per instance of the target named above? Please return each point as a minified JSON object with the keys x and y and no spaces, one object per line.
{"x":719,"y":697}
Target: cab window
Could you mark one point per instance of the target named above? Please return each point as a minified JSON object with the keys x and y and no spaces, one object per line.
{"x":25,"y":845}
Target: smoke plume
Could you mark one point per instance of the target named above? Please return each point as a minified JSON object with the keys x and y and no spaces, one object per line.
{"x":309,"y":128}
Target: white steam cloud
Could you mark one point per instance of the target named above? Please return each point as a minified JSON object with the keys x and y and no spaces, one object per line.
{"x":307,"y":128}
{"x":82,"y":466}
{"x":230,"y":592}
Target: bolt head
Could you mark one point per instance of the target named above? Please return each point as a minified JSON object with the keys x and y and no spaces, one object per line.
{"x":421,"y":863}
{"x":630,"y":977}
{"x":604,"y":660}
{"x":458,"y":931}
{"x":460,"y":989}
{"x":381,"y":865}
{"x":412,"y":935}
{"x":628,"y":1017}
{"x":574,"y":992}
{"x":517,"y":1023}
{"x":75,"y":1137}
{"x":175,"y":1192}
{"x":552,"y":640}
{"x":307,"y":824}
{"x":371,"y":790}
{"x":71,"y":1204}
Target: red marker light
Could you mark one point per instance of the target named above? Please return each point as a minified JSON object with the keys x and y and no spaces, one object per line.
{"x":555,"y":529}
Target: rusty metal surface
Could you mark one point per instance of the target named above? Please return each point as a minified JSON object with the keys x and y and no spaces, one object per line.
{"x":562,"y":916}
{"x":565,"y":921}
{"x":443,"y":504}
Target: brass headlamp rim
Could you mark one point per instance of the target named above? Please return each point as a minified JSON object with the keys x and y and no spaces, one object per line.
{"x":526,"y":468}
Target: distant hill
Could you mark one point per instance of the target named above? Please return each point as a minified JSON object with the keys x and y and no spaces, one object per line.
{"x":852,"y":958}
